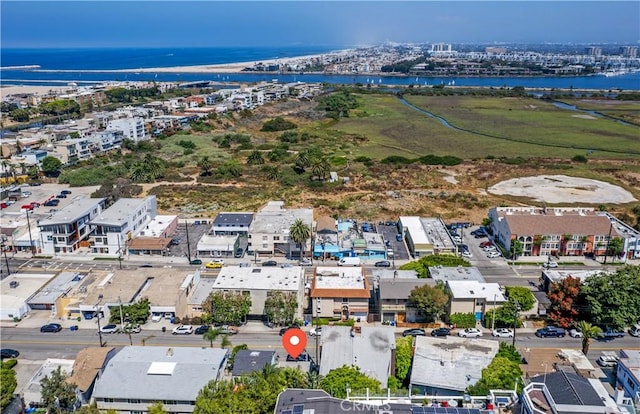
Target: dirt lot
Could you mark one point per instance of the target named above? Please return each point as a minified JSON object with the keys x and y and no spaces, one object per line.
{"x":563,"y":189}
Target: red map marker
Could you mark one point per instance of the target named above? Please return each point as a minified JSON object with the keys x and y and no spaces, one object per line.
{"x":294,"y":341}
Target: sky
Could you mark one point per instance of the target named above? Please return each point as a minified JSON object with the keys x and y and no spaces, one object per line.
{"x":65,"y":24}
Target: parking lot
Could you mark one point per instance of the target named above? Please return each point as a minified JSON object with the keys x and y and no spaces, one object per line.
{"x":389,"y":233}
{"x":42,"y":193}
{"x":195,"y":233}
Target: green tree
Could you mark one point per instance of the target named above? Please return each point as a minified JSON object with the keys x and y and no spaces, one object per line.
{"x":57,"y":393}
{"x":463,"y":320}
{"x":225,"y":397}
{"x":613,"y":299}
{"x":51,"y":165}
{"x":277,"y":124}
{"x":300,"y":232}
{"x":522,"y":295}
{"x":588,"y":333}
{"x":515,"y":248}
{"x":227,"y":307}
{"x":501,"y":374}
{"x":211,"y":335}
{"x":271,"y":172}
{"x":157,"y":408}
{"x":34,"y":172}
{"x":422,"y":265}
{"x":234,"y":351}
{"x":280,"y":307}
{"x":294,"y":378}
{"x":8,"y":384}
{"x":431,"y":301}
{"x":205,"y":165}
{"x":320,"y":168}
{"x":338,"y":380}
{"x":404,"y":353}
{"x":19,"y":115}
{"x":137,"y":312}
{"x":615,"y":247}
{"x":501,"y":317}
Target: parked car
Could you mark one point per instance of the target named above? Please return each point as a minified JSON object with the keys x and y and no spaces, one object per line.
{"x":285,"y":265}
{"x":607,"y":361}
{"x":26,"y":194}
{"x":35,"y":204}
{"x":132,"y":328}
{"x":486,"y":243}
{"x":398,"y":237}
{"x":303,"y":357}
{"x":383,"y":263}
{"x":51,"y":327}
{"x":8,"y":353}
{"x":283,"y":330}
{"x":467,"y":254}
{"x":493,"y":254}
{"x":316,"y":331}
{"x":61,"y":196}
{"x":610,"y":333}
{"x":228,"y":330}
{"x":65,"y":192}
{"x":195,"y":262}
{"x":502,"y":333}
{"x":3,"y":205}
{"x":551,"y":264}
{"x":414,"y":332}
{"x":27,"y":207}
{"x":200,"y":330}
{"x":575,"y":333}
{"x":270,"y":263}
{"x":109,"y":329}
{"x":470,"y":333}
{"x":52,"y":203}
{"x":215,"y":264}
{"x":550,"y":331}
{"x":441,"y":332}
{"x":182,"y":330}
{"x":156,"y":317}
{"x":305,"y":262}
{"x":175,"y":241}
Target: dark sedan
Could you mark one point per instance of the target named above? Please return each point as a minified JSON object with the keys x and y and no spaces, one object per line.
{"x":9,"y":353}
{"x":414,"y":332}
{"x":52,"y":327}
{"x":440,"y":332}
{"x":200,"y":330}
{"x":270,"y":263}
{"x":383,"y":263}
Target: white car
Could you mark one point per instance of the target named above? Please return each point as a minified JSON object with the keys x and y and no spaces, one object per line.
{"x":109,"y":329}
{"x":607,"y":361}
{"x":494,"y":254}
{"x":502,"y":333}
{"x":550,"y":265}
{"x":156,"y":317}
{"x":470,"y":333}
{"x":305,"y":262}
{"x":575,"y":333}
{"x":317,"y":331}
{"x":183,"y":330}
{"x":467,"y":254}
{"x":491,"y":248}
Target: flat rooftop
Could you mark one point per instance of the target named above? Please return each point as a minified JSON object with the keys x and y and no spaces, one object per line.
{"x":68,"y":214}
{"x":414,"y":227}
{"x":260,"y":278}
{"x":157,"y":227}
{"x":473,"y":289}
{"x":208,"y":242}
{"x":456,"y":273}
{"x":347,"y":277}
{"x":28,"y":284}
{"x":119,"y":212}
{"x":276,"y":219}
{"x":57,"y":287}
{"x":201,"y":290}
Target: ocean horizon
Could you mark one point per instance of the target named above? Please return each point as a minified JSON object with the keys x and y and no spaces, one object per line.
{"x":86,"y":66}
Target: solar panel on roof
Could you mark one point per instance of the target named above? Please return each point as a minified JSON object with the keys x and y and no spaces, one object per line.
{"x":417,"y":410}
{"x":298,"y":409}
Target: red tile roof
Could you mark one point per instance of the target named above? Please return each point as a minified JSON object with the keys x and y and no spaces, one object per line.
{"x":528,"y":225}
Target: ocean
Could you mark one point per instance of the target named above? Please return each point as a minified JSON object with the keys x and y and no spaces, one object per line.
{"x":76,"y":63}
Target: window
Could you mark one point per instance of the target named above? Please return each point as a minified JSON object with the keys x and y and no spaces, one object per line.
{"x":345,"y":300}
{"x":276,"y":238}
{"x":630,"y":383}
{"x":264,"y":237}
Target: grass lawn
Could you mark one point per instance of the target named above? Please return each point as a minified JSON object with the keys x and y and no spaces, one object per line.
{"x":392,"y":128}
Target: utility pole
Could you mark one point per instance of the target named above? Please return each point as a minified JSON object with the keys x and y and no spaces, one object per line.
{"x":30,"y":238}
{"x":606,"y":252}
{"x":186,"y":226}
{"x":515,"y":320}
{"x":119,"y":258}
{"x":3,"y":245}
{"x":493,"y":314}
{"x":98,"y":316}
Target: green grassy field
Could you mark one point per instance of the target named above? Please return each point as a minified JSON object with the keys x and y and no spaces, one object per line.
{"x":525,"y":127}
{"x":204,"y":146}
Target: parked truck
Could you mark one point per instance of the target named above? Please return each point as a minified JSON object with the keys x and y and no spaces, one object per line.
{"x":550,"y":331}
{"x":349,"y":261}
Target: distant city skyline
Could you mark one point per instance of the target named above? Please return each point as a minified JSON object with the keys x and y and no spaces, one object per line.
{"x":84,"y":24}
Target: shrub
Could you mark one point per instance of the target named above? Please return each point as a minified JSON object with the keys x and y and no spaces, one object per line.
{"x":396,"y":159}
{"x":278,"y":124}
{"x":463,"y":320}
{"x":9,"y":363}
{"x":580,"y":158}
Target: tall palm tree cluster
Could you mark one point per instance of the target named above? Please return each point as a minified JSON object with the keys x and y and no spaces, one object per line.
{"x":300,"y":232}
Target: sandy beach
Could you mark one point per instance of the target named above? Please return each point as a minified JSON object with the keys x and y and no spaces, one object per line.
{"x":31,"y":89}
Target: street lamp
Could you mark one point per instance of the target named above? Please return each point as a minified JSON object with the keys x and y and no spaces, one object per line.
{"x":98,"y":316}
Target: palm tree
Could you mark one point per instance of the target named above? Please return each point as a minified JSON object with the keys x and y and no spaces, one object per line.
{"x":566,"y":238}
{"x":211,"y":335}
{"x":225,"y":342}
{"x":271,"y":172}
{"x":588,"y":333}
{"x":320,"y":168}
{"x":615,"y":248}
{"x":299,"y":232}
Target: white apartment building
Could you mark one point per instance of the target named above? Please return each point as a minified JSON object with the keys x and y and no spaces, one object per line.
{"x":132,"y":128}
{"x":121,"y":222}
{"x":269,"y":230}
{"x":68,"y":228}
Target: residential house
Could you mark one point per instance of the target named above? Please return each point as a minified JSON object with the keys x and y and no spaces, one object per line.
{"x":370,"y":348}
{"x":326,"y":238}
{"x":132,"y":128}
{"x":172,"y":375}
{"x":340,"y":292}
{"x":89,"y":364}
{"x":448,"y":365}
{"x":269,"y":230}
{"x":120,"y":223}
{"x":260,"y":283}
{"x":563,"y":391}
{"x":393,"y":288}
{"x":202,"y":286}
{"x":69,"y":228}
{"x":247,"y":361}
{"x":628,"y":373}
{"x":297,"y":401}
{"x":232,"y":223}
{"x":475,"y":297}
